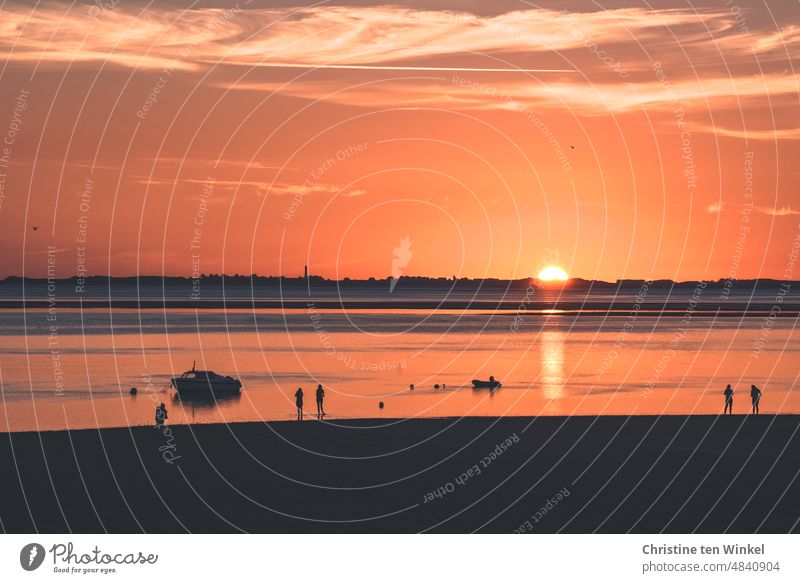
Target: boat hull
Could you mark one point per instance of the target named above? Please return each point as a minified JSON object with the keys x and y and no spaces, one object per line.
{"x":195,"y":386}
{"x":486,"y":384}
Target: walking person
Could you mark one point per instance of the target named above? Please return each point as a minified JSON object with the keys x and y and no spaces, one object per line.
{"x":755,"y":396}
{"x":298,"y":399}
{"x":320,"y":398}
{"x":728,"y":400}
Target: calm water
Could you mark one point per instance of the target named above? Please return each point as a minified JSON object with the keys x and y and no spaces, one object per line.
{"x":551,"y":364}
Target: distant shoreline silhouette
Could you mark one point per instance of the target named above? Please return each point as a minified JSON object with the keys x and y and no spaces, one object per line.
{"x":102,"y":282}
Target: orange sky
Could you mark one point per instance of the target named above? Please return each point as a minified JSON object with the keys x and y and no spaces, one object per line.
{"x":323,"y":134}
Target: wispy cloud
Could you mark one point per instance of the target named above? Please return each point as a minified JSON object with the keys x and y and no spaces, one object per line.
{"x":536,"y":57}
{"x":262,"y":187}
{"x":753,"y":134}
{"x":302,"y":189}
{"x":350,"y":37}
{"x":782,"y":211}
{"x":585,"y":98}
{"x":377,"y":37}
{"x":324,"y":66}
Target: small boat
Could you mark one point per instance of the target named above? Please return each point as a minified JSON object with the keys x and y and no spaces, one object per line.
{"x":490,"y":384}
{"x":205,"y":381}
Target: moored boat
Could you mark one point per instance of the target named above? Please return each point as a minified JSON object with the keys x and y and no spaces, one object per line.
{"x":490,"y":384}
{"x":205,"y":381}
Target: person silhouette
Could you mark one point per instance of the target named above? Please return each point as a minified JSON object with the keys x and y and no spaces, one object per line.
{"x":320,"y":397}
{"x":755,"y":395}
{"x":728,"y":400}
{"x":161,"y":416}
{"x":298,"y":399}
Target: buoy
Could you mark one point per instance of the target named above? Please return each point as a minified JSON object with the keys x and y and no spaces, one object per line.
{"x":411,"y":387}
{"x":134,"y":390}
{"x":380,"y":405}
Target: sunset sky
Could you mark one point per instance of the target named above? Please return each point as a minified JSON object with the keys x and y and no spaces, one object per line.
{"x":616,"y":141}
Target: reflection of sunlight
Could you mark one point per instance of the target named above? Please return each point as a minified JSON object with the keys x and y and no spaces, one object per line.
{"x":552,"y":355}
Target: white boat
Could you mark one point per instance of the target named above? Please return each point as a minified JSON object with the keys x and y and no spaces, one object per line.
{"x":205,"y":381}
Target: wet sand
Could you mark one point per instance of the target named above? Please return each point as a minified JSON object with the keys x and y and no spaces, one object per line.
{"x":579,"y":474}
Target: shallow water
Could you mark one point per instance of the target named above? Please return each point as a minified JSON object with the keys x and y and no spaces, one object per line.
{"x":78,"y":373}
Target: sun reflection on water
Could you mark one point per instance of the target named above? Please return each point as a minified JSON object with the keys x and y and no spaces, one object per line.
{"x":552,"y":360}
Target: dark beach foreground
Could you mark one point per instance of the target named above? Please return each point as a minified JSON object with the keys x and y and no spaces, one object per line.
{"x":578,"y":474}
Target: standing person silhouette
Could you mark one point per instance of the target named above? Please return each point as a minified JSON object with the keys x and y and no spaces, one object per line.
{"x":320,"y":397}
{"x":755,"y":395}
{"x":298,"y":399}
{"x":728,"y":400}
{"x":161,"y":416}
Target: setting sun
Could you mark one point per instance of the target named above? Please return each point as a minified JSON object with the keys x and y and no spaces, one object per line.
{"x":553,"y":273}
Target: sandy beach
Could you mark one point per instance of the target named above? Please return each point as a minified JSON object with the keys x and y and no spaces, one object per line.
{"x":551,"y":474}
